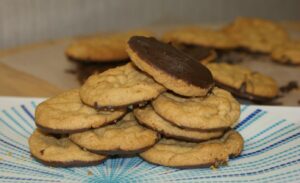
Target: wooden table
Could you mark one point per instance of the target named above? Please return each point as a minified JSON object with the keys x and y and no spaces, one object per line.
{"x":17,"y":83}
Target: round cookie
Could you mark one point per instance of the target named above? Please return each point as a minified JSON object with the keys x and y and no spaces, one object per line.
{"x":257,"y":35}
{"x":287,"y":53}
{"x":60,"y":152}
{"x":124,"y":137}
{"x":218,"y":110}
{"x":196,"y":35}
{"x":103,"y":48}
{"x":181,"y":154}
{"x":170,"y":67}
{"x":119,"y":87}
{"x":65,"y":113}
{"x":243,"y":82}
{"x":148,"y":117}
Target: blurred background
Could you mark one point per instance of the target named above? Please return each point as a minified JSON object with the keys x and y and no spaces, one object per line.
{"x":27,"y":21}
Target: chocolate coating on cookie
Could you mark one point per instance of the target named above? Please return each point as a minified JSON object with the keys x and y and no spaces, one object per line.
{"x":241,"y":93}
{"x":171,"y":61}
{"x":68,"y":163}
{"x":196,"y":51}
{"x":122,"y":152}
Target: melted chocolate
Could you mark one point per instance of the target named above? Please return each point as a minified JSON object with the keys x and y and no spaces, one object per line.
{"x":196,"y":51}
{"x":292,"y":85}
{"x":172,"y":61}
{"x":241,"y":93}
{"x":75,"y":163}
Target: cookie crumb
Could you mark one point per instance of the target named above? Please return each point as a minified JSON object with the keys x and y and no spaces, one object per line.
{"x":213,"y":168}
{"x":292,"y":85}
{"x":89,"y":173}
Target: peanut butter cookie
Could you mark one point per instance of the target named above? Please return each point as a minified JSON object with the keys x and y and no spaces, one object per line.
{"x":124,"y":137}
{"x":118,"y":87}
{"x":148,"y":117}
{"x":181,"y":154}
{"x":65,"y":113}
{"x":60,"y":151}
{"x":218,"y":110}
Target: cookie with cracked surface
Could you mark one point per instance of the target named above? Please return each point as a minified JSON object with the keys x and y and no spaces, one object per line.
{"x":65,"y":113}
{"x":218,"y":110}
{"x":60,"y":152}
{"x":124,"y":137}
{"x":179,"y":154}
{"x":103,"y":48}
{"x":243,"y":82}
{"x":201,"y":36}
{"x":287,"y":53}
{"x":257,"y":35}
{"x":148,"y":117}
{"x":117,"y":87}
{"x":170,"y":67}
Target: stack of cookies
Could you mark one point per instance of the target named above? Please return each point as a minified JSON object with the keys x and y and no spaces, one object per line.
{"x":162,"y":106}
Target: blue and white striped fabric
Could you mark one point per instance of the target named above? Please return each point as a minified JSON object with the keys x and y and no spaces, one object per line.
{"x":271,"y":154}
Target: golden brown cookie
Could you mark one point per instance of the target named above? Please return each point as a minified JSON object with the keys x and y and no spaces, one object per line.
{"x":104,"y":48}
{"x":148,"y":117}
{"x":60,"y":152}
{"x":170,"y":67}
{"x":121,"y":86}
{"x":65,"y":113}
{"x":181,"y":154}
{"x":287,"y":53}
{"x":125,"y":137}
{"x":218,"y":110}
{"x":243,"y":82}
{"x":257,"y":35}
{"x":196,"y":35}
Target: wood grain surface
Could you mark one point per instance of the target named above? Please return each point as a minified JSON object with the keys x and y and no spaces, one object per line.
{"x":17,"y":83}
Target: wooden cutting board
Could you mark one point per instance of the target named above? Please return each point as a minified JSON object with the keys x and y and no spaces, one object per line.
{"x":39,"y":70}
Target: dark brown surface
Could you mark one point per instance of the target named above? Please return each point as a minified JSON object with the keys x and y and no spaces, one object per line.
{"x":196,"y":51}
{"x":68,"y":163}
{"x":171,"y":61}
